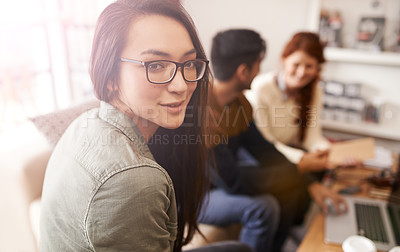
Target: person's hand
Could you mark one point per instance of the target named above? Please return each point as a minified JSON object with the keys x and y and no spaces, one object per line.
{"x":347,"y":162}
{"x":315,"y":161}
{"x":321,"y":193}
{"x":351,"y":162}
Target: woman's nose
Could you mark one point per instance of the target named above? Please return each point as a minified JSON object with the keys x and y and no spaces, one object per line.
{"x":178,"y":83}
{"x":300,"y":71}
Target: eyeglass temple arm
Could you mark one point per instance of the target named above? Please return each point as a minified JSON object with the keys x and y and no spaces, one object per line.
{"x":133,"y":61}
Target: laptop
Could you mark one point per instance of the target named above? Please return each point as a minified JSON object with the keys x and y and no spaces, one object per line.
{"x":375,"y":219}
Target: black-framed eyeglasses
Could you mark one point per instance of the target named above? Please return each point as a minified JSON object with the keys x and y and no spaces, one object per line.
{"x":163,"y":71}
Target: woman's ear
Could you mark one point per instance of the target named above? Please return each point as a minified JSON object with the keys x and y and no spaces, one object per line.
{"x":110,"y":87}
{"x":242,"y":72}
{"x":112,"y":90}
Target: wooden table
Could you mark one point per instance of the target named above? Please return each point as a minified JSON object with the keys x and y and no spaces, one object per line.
{"x":314,"y":239}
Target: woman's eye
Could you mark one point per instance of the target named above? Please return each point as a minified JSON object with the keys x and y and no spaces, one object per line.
{"x":190,"y":64}
{"x":156,"y":66}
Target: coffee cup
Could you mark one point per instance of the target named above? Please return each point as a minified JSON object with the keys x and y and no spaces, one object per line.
{"x":356,"y":243}
{"x":395,"y":249}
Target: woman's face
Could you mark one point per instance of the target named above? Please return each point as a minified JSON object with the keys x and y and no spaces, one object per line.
{"x":300,"y":69}
{"x":156,"y":37}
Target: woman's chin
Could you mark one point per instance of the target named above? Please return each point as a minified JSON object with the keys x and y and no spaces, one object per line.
{"x":172,"y":125}
{"x":173,"y":121}
{"x":297,"y":85}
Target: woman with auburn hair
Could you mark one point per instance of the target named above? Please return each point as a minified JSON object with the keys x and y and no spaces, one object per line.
{"x":287,"y":105}
{"x":118,"y":180}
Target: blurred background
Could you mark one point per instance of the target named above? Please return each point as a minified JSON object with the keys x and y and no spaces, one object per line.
{"x":44,"y":48}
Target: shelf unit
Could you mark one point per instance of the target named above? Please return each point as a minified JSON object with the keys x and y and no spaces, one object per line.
{"x":373,"y":68}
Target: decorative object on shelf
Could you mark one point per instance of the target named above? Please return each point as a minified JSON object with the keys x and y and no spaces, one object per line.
{"x":324,"y":27}
{"x":375,"y":4}
{"x":398,"y":41}
{"x":330,"y":28}
{"x":356,"y":104}
{"x":343,"y":102}
{"x":335,"y":24}
{"x":389,"y":114}
{"x":371,"y":113}
{"x":370,"y":33}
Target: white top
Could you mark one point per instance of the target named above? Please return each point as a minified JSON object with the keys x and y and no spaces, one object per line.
{"x":276,"y":116}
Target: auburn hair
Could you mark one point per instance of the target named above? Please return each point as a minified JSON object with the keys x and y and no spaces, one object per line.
{"x":309,"y":43}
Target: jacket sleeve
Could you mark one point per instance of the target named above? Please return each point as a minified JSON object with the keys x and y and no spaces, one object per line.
{"x":134,"y":210}
{"x":276,"y":173}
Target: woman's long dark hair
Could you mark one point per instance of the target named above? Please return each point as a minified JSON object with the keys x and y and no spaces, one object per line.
{"x":309,"y":43}
{"x":182,"y":151}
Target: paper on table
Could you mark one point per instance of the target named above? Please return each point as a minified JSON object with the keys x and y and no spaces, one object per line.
{"x":361,"y":149}
{"x":383,"y":159}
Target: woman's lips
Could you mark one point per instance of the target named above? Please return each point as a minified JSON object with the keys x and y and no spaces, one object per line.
{"x":174,"y":107}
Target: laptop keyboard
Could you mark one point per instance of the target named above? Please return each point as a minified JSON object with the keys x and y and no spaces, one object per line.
{"x":370,"y":222}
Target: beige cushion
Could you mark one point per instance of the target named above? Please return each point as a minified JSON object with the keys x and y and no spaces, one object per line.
{"x":53,"y":125}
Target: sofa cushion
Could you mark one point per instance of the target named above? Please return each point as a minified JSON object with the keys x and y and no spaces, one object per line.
{"x":53,"y":125}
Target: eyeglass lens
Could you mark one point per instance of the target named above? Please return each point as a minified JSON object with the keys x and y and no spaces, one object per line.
{"x":164,"y":71}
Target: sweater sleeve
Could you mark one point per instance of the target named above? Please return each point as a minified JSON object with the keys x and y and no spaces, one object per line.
{"x":131,"y":212}
{"x":294,"y":155}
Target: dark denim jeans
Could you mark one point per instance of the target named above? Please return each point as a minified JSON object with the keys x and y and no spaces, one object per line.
{"x":228,"y":246}
{"x":258,"y":215}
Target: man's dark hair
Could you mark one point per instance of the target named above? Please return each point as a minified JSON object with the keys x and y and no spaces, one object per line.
{"x":234,"y":47}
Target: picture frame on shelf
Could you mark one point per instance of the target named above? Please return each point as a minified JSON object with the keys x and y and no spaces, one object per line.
{"x":370,"y":33}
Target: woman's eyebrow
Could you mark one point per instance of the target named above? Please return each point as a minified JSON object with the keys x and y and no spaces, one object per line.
{"x":164,"y":54}
{"x":155,"y":52}
{"x":191,"y":52}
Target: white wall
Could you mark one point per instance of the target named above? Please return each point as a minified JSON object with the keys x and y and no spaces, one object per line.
{"x":275,"y":20}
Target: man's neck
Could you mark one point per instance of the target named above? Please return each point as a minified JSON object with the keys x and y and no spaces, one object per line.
{"x":225,"y":92}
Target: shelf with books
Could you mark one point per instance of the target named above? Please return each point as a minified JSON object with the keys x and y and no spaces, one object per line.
{"x":362,"y":128}
{"x":362,"y":57}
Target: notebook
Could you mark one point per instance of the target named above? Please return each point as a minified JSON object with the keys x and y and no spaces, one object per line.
{"x":375,"y":219}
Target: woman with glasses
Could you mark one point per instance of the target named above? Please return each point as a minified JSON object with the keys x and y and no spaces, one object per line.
{"x":118,"y":179}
